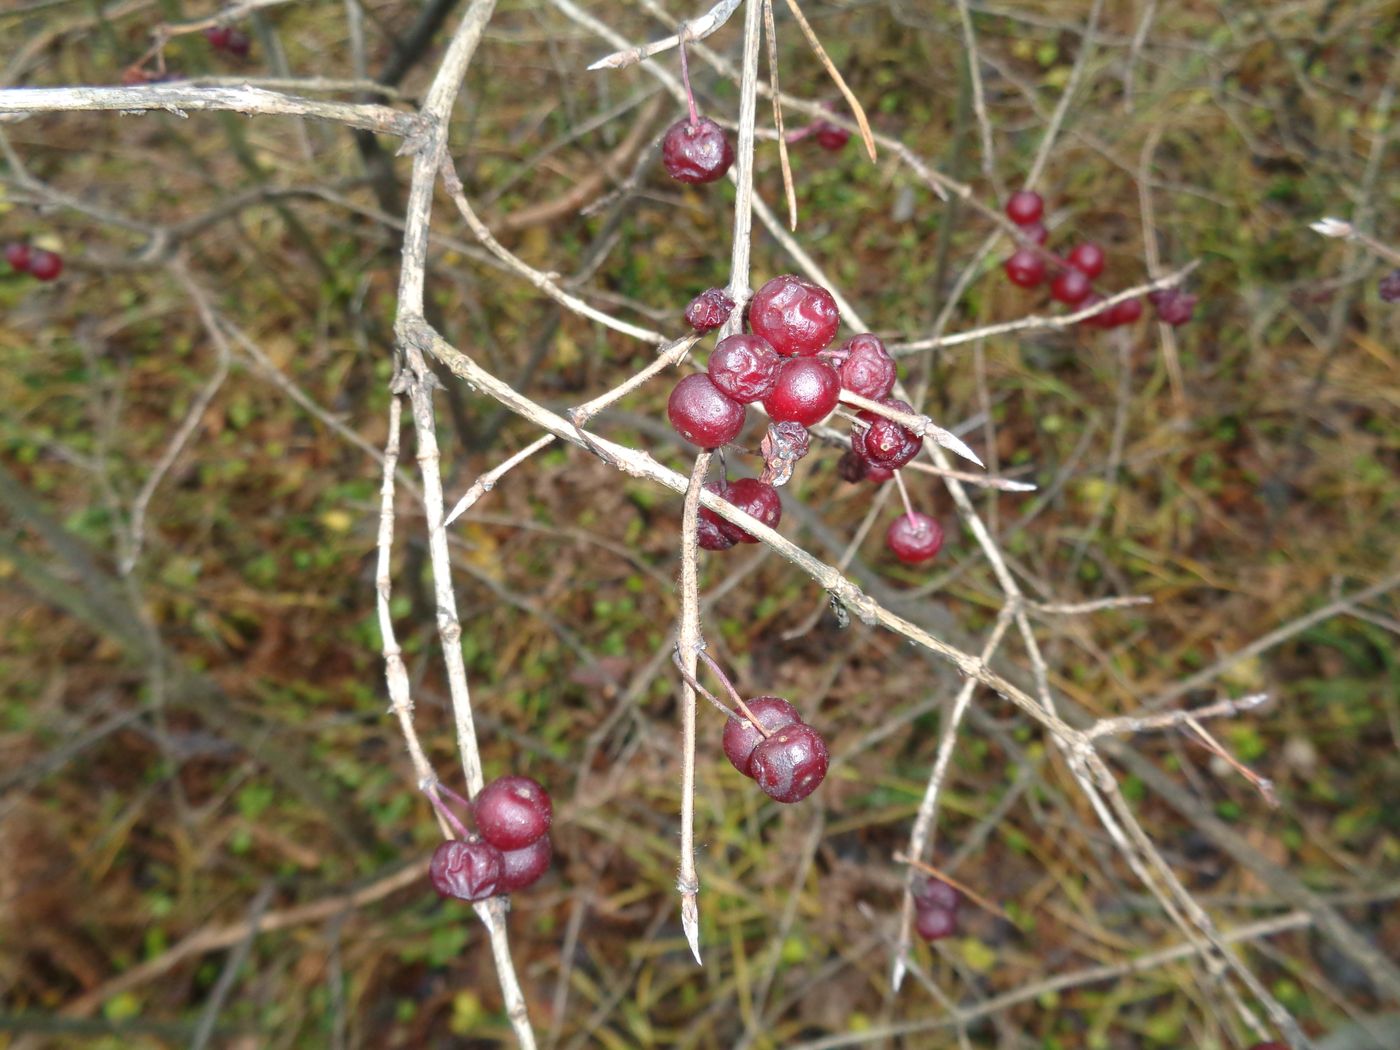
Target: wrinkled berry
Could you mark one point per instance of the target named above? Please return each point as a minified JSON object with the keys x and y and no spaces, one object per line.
{"x":868,"y":369}
{"x":17,"y":255}
{"x":698,"y":152}
{"x":524,"y":866}
{"x":712,"y":531}
{"x":45,"y":266}
{"x":782,"y":446}
{"x":753,"y":497}
{"x":466,"y":870}
{"x":933,"y":924}
{"x":806,"y":392}
{"x":709,"y":310}
{"x":795,"y":316}
{"x":790,"y":764}
{"x":1070,"y":287}
{"x":1175,"y":307}
{"x":1025,"y":207}
{"x":512,"y":812}
{"x":884,"y":442}
{"x":1087,"y":258}
{"x":914,"y":537}
{"x":745,"y":367}
{"x":702,"y":413}
{"x":851,"y":466}
{"x":740,"y":736}
{"x":1025,"y":268}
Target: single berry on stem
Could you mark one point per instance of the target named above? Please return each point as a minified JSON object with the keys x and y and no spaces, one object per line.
{"x":703,"y":414}
{"x":524,"y":866}
{"x":695,"y":149}
{"x":1025,"y":207}
{"x":797,"y":317}
{"x":754,"y":497}
{"x":884,"y":442}
{"x":1087,"y":258}
{"x":745,"y":367}
{"x":709,"y":310}
{"x":806,"y":392}
{"x":513,"y":811}
{"x":1025,"y":268}
{"x":830,"y":136}
{"x":914,"y":537}
{"x":17,"y":255}
{"x":741,"y":736}
{"x":790,"y":764}
{"x":468,"y":870}
{"x":933,"y":924}
{"x":866,"y":367}
{"x":1070,"y":287}
{"x":45,"y":266}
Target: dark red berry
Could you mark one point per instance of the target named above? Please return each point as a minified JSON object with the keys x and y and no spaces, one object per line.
{"x":1025,"y":207}
{"x":1126,"y":312}
{"x":753,"y":497}
{"x":698,"y":152}
{"x":524,"y":866}
{"x":1070,"y":286}
{"x":713,"y":532}
{"x":1036,"y":233}
{"x":933,"y":924}
{"x":867,"y":368}
{"x":708,"y":310}
{"x":45,"y":266}
{"x":1175,"y":307}
{"x":238,"y":43}
{"x":795,"y":316}
{"x":851,"y":467}
{"x":885,"y":443}
{"x":829,"y":136}
{"x":1087,"y":258}
{"x":740,"y":736}
{"x":1025,"y":268}
{"x":512,"y":812}
{"x":914,"y":537}
{"x":935,"y":893}
{"x":466,"y":870}
{"x":877,"y":475}
{"x":17,"y":255}
{"x":806,"y":392}
{"x":790,"y":764}
{"x":1099,"y":319}
{"x":217,"y":37}
{"x":745,"y":367}
{"x":1389,"y":288}
{"x":703,"y":414}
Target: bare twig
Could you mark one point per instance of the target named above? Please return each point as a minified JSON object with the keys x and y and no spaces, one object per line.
{"x":835,"y":74}
{"x":696,"y":29}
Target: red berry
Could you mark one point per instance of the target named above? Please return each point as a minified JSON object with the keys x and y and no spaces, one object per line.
{"x":1087,"y":258}
{"x":512,"y":812}
{"x":217,"y":37}
{"x":713,"y":532}
{"x":1025,"y":268}
{"x":829,"y":136}
{"x":935,"y":893}
{"x":1036,"y":233}
{"x":1126,"y":312}
{"x":867,"y":368}
{"x":806,"y":392}
{"x":698,"y":152}
{"x":914,"y":537}
{"x":17,"y":255}
{"x":238,"y":43}
{"x":1175,"y":307}
{"x":703,"y":414}
{"x":877,"y":475}
{"x":753,"y":497}
{"x":522,"y":867}
{"x":790,"y":764}
{"x":740,"y":736}
{"x":1389,"y":288}
{"x":45,"y":266}
{"x":795,"y":316}
{"x":745,"y":367}
{"x":1070,"y":287}
{"x":933,"y":924}
{"x":467,"y":870}
{"x":1099,"y":319}
{"x":708,"y":310}
{"x":1025,"y":207}
{"x":885,"y":443}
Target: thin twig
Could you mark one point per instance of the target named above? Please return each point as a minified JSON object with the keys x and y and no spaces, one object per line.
{"x":696,"y":29}
{"x":850,"y":96}
{"x":919,"y":424}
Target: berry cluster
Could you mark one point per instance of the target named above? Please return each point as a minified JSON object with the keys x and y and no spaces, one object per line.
{"x":511,"y":851}
{"x":936,"y":907}
{"x":40,"y":264}
{"x":1073,"y":282}
{"x":787,"y":758}
{"x":229,"y":39}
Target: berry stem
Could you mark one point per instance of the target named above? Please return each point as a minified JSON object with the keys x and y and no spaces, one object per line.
{"x":904,"y":495}
{"x":962,"y":887}
{"x":431,"y":790}
{"x":690,"y":681}
{"x":684,"y":34}
{"x":729,"y":688}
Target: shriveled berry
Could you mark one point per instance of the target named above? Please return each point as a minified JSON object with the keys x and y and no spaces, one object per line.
{"x":745,"y":367}
{"x":884,"y":442}
{"x":1025,"y":268}
{"x":868,"y":368}
{"x":753,"y":497}
{"x":797,"y":317}
{"x":914,"y":537}
{"x":1087,"y":258}
{"x":1025,"y":207}
{"x":467,"y":870}
{"x":45,"y":266}
{"x":741,"y":737}
{"x":929,"y":892}
{"x":708,"y":310}
{"x":851,"y":467}
{"x":1126,"y":312}
{"x":217,"y":37}
{"x":1389,"y":288}
{"x":1070,"y":287}
{"x":830,"y":136}
{"x":790,"y":764}
{"x":17,"y":255}
{"x":512,"y":812}
{"x":1175,"y":307}
{"x":933,"y":924}
{"x":698,"y":152}
{"x":704,"y":414}
{"x":712,"y":531}
{"x":523,"y":867}
{"x":806,"y":392}
{"x":782,"y":446}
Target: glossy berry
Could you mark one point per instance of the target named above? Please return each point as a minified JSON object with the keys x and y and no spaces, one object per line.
{"x":1070,"y":287}
{"x":935,"y":893}
{"x":708,"y":310}
{"x":1126,"y":312}
{"x":829,"y":136}
{"x":885,"y":443}
{"x":740,"y":736}
{"x":45,"y":266}
{"x":877,"y":475}
{"x":512,"y":812}
{"x":1025,"y":268}
{"x":795,"y":316}
{"x":753,"y":497}
{"x":1087,"y":258}
{"x":790,"y":764}
{"x":238,"y":43}
{"x":466,"y":870}
{"x":1025,"y":207}
{"x":217,"y":37}
{"x":867,"y":368}
{"x":524,"y":866}
{"x":914,"y":537}
{"x":17,"y":255}
{"x":713,"y":532}
{"x":1175,"y":307}
{"x":933,"y":924}
{"x":1389,"y":288}
{"x":698,"y":152}
{"x":703,"y":414}
{"x":745,"y":367}
{"x":806,"y":392}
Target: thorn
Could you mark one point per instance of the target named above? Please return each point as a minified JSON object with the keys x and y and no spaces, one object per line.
{"x":955,"y":444}
{"x":690,"y":923}
{"x":897,"y":975}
